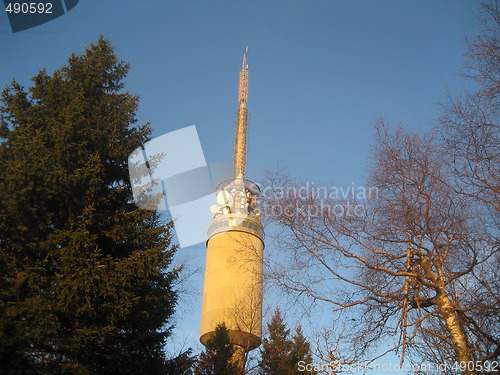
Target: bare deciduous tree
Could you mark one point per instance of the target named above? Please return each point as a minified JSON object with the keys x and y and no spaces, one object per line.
{"x":415,"y":254}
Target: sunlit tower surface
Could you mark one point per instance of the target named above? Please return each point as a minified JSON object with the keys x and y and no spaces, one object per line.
{"x":233,"y":275}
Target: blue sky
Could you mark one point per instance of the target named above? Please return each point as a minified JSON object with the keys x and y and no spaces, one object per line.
{"x":321,"y":72}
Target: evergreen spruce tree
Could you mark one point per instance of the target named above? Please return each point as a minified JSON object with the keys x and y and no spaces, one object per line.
{"x":280,"y":354}
{"x":85,"y":281}
{"x":300,"y":353}
{"x":216,"y":359}
{"x":276,"y":347}
{"x":182,"y":364}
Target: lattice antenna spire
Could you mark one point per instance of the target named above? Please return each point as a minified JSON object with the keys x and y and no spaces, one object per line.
{"x":240,"y":149}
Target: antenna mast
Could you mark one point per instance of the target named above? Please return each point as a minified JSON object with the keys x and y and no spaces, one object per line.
{"x":240,"y":149}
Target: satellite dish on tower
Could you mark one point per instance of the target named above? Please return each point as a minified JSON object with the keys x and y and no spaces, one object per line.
{"x":215,"y":210}
{"x":223,"y":197}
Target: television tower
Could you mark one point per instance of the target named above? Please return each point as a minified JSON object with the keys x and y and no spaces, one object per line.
{"x":232,"y":292}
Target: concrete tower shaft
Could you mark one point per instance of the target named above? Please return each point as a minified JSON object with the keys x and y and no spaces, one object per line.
{"x":232,"y":291}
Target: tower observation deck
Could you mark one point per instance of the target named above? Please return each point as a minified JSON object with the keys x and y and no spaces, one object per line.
{"x":232,"y":292}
